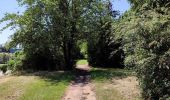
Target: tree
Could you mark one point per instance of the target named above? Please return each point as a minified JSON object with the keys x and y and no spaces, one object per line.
{"x":103,"y":49}
{"x":49,"y":30}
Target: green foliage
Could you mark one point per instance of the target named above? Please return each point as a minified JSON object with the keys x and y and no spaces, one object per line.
{"x":83,"y":48}
{"x":149,"y":4}
{"x":154,"y":74}
{"x":3,"y":67}
{"x":16,"y":62}
{"x":4,"y":57}
{"x":146,"y":38}
{"x":11,"y":63}
{"x":103,"y":49}
{"x":49,"y":30}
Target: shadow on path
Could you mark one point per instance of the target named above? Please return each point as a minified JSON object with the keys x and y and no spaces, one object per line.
{"x":81,"y":88}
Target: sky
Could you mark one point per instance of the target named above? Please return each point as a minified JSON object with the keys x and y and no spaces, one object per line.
{"x":11,"y":6}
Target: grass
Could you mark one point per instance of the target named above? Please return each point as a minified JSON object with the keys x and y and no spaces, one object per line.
{"x":102,"y":74}
{"x":81,"y":62}
{"x":102,"y":79}
{"x":41,"y":86}
{"x":52,"y":85}
{"x":104,"y":93}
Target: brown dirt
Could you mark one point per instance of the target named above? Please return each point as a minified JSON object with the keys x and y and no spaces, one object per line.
{"x":81,"y":88}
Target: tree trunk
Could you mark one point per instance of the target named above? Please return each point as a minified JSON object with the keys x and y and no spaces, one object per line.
{"x":67,"y":56}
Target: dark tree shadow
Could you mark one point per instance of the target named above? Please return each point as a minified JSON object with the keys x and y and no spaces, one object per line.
{"x":100,"y":74}
{"x":53,"y":78}
{"x":78,"y":75}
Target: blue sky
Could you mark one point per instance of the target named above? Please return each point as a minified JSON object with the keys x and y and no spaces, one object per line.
{"x":11,"y":6}
{"x":121,"y":5}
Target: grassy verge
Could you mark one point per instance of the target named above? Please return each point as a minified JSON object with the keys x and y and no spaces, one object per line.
{"x":107,"y":86}
{"x":39,"y":86}
{"x":104,"y":93}
{"x":102,"y":74}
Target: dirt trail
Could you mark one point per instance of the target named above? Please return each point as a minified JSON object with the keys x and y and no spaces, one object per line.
{"x":81,"y":88}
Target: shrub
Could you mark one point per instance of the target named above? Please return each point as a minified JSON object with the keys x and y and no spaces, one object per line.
{"x":154,"y":75}
{"x":3,"y":67}
{"x":130,"y":62}
{"x":147,"y":48}
{"x":11,"y":64}
{"x":16,"y":63}
{"x":4,"y":57}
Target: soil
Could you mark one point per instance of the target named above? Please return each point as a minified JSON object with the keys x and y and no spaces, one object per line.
{"x":81,"y":88}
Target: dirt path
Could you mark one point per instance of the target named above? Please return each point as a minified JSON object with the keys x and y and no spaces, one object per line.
{"x":81,"y":88}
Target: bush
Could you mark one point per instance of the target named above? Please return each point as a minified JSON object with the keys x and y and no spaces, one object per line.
{"x":16,"y":63}
{"x":130,"y":62}
{"x":3,"y":67}
{"x":147,"y":47}
{"x":11,"y":64}
{"x":153,"y":61}
{"x":154,"y":75}
{"x":4,"y":57}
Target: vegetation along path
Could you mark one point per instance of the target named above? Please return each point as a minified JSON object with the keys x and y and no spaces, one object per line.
{"x":81,"y":88}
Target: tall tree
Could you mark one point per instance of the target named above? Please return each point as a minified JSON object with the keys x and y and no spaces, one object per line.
{"x":48,"y":30}
{"x":103,"y":49}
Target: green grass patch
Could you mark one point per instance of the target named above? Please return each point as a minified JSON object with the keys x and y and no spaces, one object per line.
{"x":102,"y":79}
{"x":49,"y":87}
{"x":105,"y":93}
{"x":11,"y":85}
{"x":37,"y":86}
{"x":81,"y":62}
{"x":102,"y":74}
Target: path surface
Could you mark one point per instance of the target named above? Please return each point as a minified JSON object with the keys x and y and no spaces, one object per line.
{"x":81,"y":88}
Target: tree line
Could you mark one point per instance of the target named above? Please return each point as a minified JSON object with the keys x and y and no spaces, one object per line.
{"x":49,"y":31}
